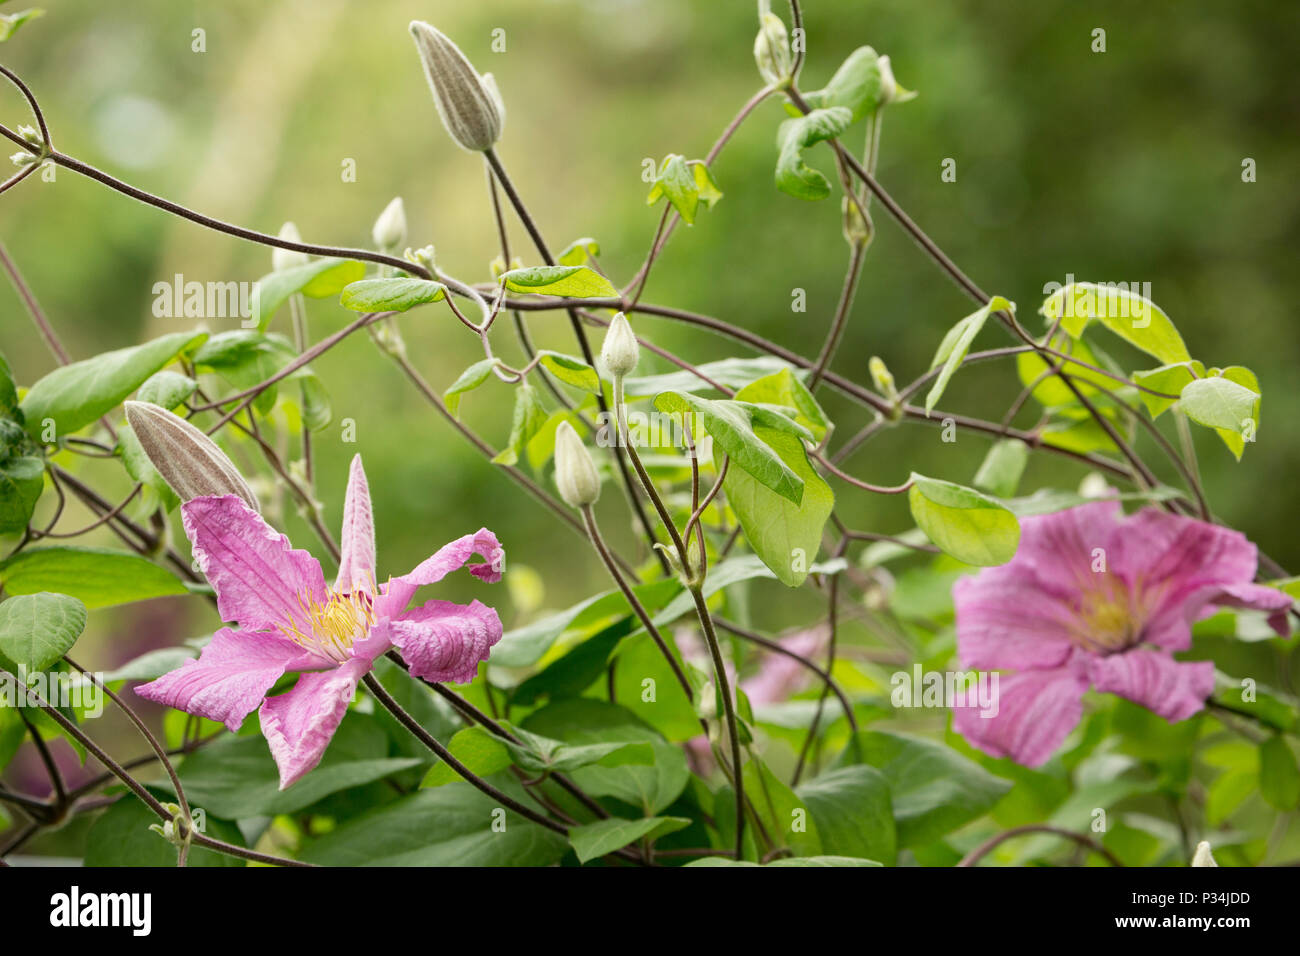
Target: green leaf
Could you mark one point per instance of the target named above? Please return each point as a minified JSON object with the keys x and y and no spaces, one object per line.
{"x":141,"y":468}
{"x":236,"y":777}
{"x":524,"y":646}
{"x":21,"y":482}
{"x":650,"y":787}
{"x":97,"y":577}
{"x":853,"y":811}
{"x":1279,"y":777}
{"x":793,"y":175}
{"x":316,"y":409}
{"x":732,"y":372}
{"x":75,"y":395}
{"x":8,"y":391}
{"x":786,"y":389}
{"x":1132,"y":317}
{"x":455,"y":825}
{"x":529,"y":417}
{"x":470,"y":379}
{"x":999,"y":473}
{"x":246,"y":358}
{"x":10,"y":22}
{"x":1050,"y":390}
{"x":857,"y":85}
{"x":686,"y":184}
{"x":167,"y":389}
{"x":971,"y":527}
{"x":121,"y":837}
{"x":952,"y":350}
{"x":38,"y":629}
{"x":320,"y":279}
{"x":785,"y":535}
{"x":731,"y":423}
{"x":1235,"y":439}
{"x":537,"y":754}
{"x":570,"y":370}
{"x":593,"y":840}
{"x":933,"y":789}
{"x":1219,"y":403}
{"x":478,"y":749}
{"x":1169,"y":379}
{"x":578,"y":282}
{"x":785,"y":816}
{"x":395,"y":294}
{"x":578,"y":252}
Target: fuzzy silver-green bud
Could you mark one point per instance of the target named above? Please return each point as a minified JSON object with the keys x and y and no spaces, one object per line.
{"x":772,"y":50}
{"x":620,"y":351}
{"x":575,"y":473}
{"x":188,"y":460}
{"x":469,"y":104}
{"x":389,"y":231}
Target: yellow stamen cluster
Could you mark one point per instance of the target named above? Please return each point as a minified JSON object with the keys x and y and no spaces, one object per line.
{"x":1108,"y":620}
{"x":333,"y":624}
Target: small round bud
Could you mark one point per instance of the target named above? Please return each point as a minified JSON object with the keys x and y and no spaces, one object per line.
{"x":469,"y":105}
{"x":187,"y":459}
{"x":21,"y":159}
{"x":424,"y":256}
{"x":772,"y":50}
{"x":620,"y":351}
{"x":30,"y":135}
{"x":575,"y":472}
{"x":857,"y":225}
{"x":282,"y":259}
{"x":389,"y":231}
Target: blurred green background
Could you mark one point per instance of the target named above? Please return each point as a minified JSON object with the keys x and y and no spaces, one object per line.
{"x":1116,"y":166}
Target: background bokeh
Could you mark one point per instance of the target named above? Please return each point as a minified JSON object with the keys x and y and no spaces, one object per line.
{"x":1116,"y":166}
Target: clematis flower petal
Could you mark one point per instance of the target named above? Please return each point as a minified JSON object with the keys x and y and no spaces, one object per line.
{"x":446,"y":559}
{"x":299,"y":724}
{"x":260,"y":580}
{"x":1057,"y":548}
{"x":231,"y":677}
{"x":1037,"y":709}
{"x":1173,"y":689}
{"x":442,"y":641}
{"x":357,"y":541}
{"x":1006,"y":619}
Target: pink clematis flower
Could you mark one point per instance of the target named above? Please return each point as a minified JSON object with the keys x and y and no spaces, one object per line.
{"x":290,"y":621}
{"x":1093,"y":598}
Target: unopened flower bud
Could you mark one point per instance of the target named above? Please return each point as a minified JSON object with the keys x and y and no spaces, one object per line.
{"x":575,"y":472}
{"x":389,"y":231}
{"x":620,"y":351}
{"x":22,"y":159}
{"x":1203,"y":855}
{"x":888,"y":85}
{"x":772,"y":50}
{"x":882,"y":378}
{"x":424,"y":256}
{"x":469,"y":105}
{"x":29,"y":134}
{"x":857,"y":225}
{"x":188,"y":460}
{"x":282,"y":259}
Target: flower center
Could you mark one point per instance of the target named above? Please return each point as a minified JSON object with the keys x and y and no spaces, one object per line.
{"x":333,"y":624}
{"x":1108,"y":621}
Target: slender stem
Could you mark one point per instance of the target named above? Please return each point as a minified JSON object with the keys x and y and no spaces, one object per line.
{"x":981,"y":851}
{"x":386,"y":701}
{"x":230,"y":229}
{"x":598,"y":542}
{"x":729,"y":710}
{"x":34,"y":308}
{"x":47,"y":758}
{"x":857,"y":254}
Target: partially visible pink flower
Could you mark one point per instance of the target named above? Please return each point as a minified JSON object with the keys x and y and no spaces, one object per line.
{"x":289,"y":620}
{"x":1093,"y":598}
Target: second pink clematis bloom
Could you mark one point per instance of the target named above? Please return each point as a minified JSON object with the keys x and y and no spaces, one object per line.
{"x":289,"y":620}
{"x":1093,"y":598}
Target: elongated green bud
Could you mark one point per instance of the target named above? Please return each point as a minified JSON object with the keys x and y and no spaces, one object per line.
{"x":575,"y":472}
{"x":772,"y":50}
{"x":620,"y":351}
{"x":469,"y":104}
{"x":188,"y":460}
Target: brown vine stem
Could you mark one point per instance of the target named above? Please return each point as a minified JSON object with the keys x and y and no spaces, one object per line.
{"x":981,"y":851}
